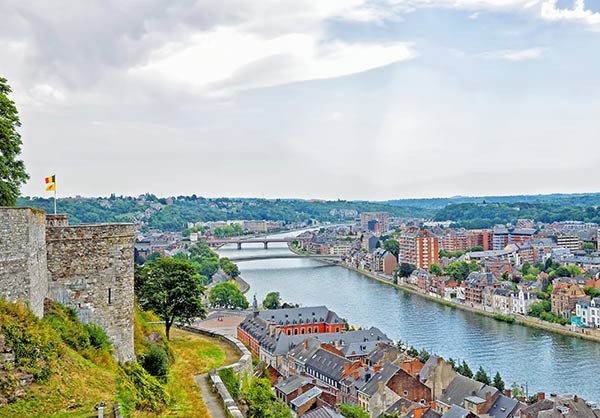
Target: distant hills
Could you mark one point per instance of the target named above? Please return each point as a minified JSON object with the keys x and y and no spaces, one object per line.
{"x":173,"y":213}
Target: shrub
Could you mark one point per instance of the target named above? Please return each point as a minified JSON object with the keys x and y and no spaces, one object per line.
{"x":156,"y":362}
{"x":149,"y":394}
{"x":231,"y":382}
{"x":97,"y":336}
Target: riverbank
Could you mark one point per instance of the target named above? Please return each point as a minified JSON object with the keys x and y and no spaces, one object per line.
{"x":242,"y":284}
{"x":527,"y":321}
{"x":523,"y":320}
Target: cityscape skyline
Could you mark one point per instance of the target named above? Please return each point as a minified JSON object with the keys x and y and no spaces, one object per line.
{"x":369,"y":100}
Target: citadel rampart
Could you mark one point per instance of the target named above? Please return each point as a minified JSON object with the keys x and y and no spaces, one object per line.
{"x":87,"y":267}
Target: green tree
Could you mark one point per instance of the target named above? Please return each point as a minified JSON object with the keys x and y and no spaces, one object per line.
{"x":588,"y":247}
{"x":272,"y":301}
{"x":12,"y":170}
{"x":230,"y":268}
{"x":262,"y":402}
{"x":525,"y":268}
{"x":481,"y":376}
{"x":498,"y":382}
{"x":424,"y":355}
{"x":436,"y":270}
{"x":353,"y":411}
{"x":156,"y":362}
{"x":392,"y":246}
{"x":591,"y":291}
{"x":405,"y":269}
{"x":171,"y":288}
{"x":517,"y":391}
{"x":465,"y":370}
{"x":227,"y":295}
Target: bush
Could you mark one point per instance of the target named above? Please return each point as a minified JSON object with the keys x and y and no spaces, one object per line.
{"x":504,"y":318}
{"x":156,"y":362}
{"x":149,"y":394}
{"x":231,"y":382}
{"x":97,"y":336}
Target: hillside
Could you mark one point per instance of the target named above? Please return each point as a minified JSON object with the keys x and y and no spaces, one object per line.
{"x":59,"y":367}
{"x":173,"y":213}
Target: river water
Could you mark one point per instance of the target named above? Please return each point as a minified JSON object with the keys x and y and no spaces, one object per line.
{"x":539,"y":360}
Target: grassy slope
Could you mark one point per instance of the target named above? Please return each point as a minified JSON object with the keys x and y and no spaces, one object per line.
{"x":193,"y":354}
{"x":78,"y":383}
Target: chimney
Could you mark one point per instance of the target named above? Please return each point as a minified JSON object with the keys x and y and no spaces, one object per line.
{"x":432,"y":405}
{"x":508,"y":393}
{"x":420,"y":411}
{"x":575,"y":398}
{"x":376,"y":368}
{"x":355,"y":374}
{"x":346,"y":369}
{"x":521,"y":399}
{"x":404,"y":409}
{"x":306,"y":343}
{"x":541,"y":396}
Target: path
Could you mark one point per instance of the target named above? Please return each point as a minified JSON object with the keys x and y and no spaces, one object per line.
{"x":211,"y":399}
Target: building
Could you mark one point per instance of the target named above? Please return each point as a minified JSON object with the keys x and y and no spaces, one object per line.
{"x":255,"y":226}
{"x":418,"y":247}
{"x":384,"y":261}
{"x":293,"y":321}
{"x":570,"y":241}
{"x":381,"y":218}
{"x":522,"y":300}
{"x":565,"y":297}
{"x":589,"y":312}
{"x":474,"y":286}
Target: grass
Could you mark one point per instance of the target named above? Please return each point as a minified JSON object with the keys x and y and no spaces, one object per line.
{"x":82,"y":376}
{"x":193,"y":355}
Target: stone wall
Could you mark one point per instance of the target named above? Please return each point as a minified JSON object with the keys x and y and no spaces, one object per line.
{"x":91,"y":269}
{"x":23,"y":274}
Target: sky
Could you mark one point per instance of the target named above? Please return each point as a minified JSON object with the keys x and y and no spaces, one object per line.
{"x":354,"y":99}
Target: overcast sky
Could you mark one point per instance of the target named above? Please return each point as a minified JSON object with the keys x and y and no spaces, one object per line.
{"x":351,"y":99}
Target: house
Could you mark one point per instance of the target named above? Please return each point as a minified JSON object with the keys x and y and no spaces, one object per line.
{"x":557,"y":406}
{"x":522,"y":300}
{"x":322,"y":412}
{"x":474,"y":285}
{"x":384,"y":261}
{"x":588,"y":311}
{"x":564,"y":298}
{"x":306,"y":401}
{"x":291,"y":387}
{"x":375,"y":397}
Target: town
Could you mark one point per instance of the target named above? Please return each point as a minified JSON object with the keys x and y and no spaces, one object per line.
{"x":547,"y":274}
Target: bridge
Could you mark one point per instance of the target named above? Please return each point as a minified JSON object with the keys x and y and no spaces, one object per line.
{"x":219,"y":242}
{"x":332,"y":258}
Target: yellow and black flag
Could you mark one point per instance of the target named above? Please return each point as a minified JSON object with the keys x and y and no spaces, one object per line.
{"x":51,"y":183}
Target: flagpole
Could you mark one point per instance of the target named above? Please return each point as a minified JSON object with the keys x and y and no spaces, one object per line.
{"x":55,"y":197}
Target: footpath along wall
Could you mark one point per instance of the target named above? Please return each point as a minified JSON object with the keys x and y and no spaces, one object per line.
{"x":244,"y":365}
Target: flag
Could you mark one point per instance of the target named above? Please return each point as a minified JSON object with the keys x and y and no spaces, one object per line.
{"x":51,"y":183}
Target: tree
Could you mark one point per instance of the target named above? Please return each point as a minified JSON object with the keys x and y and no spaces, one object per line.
{"x":465,"y":370}
{"x":12,"y":170}
{"x":481,"y":376}
{"x":591,"y":291}
{"x":405,"y":269}
{"x":436,"y":270}
{"x":498,"y":382}
{"x":353,"y":411}
{"x":517,"y":391}
{"x":588,"y":247}
{"x":424,"y":355}
{"x":392,"y":246}
{"x":272,"y":301}
{"x":230,"y":268}
{"x":171,"y":288}
{"x":261,"y":400}
{"x":156,"y":362}
{"x":227,"y":295}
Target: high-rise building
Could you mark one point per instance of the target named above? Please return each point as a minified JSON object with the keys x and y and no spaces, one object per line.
{"x":381,"y":218}
{"x":419,"y":247}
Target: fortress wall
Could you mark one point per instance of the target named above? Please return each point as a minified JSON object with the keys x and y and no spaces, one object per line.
{"x":23,"y":274}
{"x":91,"y":269}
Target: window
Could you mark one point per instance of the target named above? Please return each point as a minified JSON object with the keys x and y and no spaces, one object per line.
{"x":295,"y":331}
{"x":316,"y":330}
{"x":302,"y":331}
{"x":109,"y":295}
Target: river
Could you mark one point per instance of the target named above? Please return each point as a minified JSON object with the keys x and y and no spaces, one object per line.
{"x":540,"y":360}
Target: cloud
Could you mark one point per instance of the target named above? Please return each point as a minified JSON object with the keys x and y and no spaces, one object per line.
{"x":515,"y":55}
{"x":208,"y":64}
{"x":579,"y":12}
